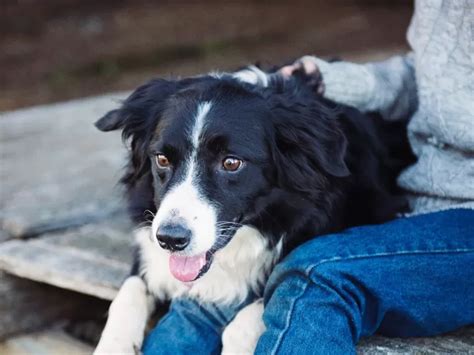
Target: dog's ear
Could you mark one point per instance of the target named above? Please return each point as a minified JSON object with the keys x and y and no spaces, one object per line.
{"x":138,"y":106}
{"x":309,"y":146}
{"x":138,"y":117}
{"x":110,"y":121}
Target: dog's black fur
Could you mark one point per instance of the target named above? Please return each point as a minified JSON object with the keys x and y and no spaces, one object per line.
{"x":318,"y":167}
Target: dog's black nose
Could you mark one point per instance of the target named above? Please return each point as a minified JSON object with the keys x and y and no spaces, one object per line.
{"x":173,"y":237}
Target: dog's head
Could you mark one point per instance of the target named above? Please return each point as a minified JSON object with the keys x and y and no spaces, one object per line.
{"x":221,"y":153}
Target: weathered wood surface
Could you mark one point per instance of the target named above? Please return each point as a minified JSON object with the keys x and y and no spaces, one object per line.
{"x":56,"y":169}
{"x":55,"y":341}
{"x":459,"y":342}
{"x":26,"y":305}
{"x":93,"y":259}
{"x":50,"y":342}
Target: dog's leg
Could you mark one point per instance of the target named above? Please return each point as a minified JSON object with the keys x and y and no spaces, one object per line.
{"x":128,"y":315}
{"x":242,"y":334}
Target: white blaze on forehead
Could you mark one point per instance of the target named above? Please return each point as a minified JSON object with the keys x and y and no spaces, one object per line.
{"x":185,"y":203}
{"x":202,"y":111}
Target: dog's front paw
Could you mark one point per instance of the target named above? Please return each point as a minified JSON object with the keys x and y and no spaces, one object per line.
{"x":128,"y":314}
{"x":242,"y":334}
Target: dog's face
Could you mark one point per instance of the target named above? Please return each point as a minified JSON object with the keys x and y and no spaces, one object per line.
{"x":220,"y":154}
{"x":209,"y":162}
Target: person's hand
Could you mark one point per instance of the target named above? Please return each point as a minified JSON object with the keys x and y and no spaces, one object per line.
{"x":308,"y":67}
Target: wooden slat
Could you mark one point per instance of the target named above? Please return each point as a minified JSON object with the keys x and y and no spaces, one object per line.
{"x":93,"y":259}
{"x":56,"y":169}
{"x":26,"y":305}
{"x":459,"y":342}
{"x":46,"y":342}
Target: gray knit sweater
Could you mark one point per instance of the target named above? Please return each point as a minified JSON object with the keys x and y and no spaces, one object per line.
{"x":434,"y":85}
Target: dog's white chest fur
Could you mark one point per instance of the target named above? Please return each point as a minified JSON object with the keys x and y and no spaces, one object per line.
{"x":241,"y":266}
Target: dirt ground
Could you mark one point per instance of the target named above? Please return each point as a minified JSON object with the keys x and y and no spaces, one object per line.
{"x":53,"y":50}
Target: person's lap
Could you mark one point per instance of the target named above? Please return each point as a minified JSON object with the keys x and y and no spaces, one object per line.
{"x":408,"y":277}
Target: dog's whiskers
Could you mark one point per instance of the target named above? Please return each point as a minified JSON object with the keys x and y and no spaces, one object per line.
{"x":148,"y":215}
{"x":227,"y":222}
{"x":229,"y":225}
{"x":149,"y":212}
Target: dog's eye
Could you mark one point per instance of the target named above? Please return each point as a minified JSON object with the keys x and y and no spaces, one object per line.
{"x":162,"y":161}
{"x":231,"y":164}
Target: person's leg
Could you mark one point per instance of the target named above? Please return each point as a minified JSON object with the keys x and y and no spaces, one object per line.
{"x":409,"y":277}
{"x":191,"y":327}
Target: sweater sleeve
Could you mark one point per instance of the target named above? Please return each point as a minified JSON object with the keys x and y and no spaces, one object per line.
{"x":387,"y":87}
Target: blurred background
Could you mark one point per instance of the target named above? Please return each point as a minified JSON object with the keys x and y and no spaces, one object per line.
{"x":53,"y":50}
{"x":65,"y":240}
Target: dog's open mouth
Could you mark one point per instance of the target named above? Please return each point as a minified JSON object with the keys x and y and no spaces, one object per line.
{"x":189,"y":268}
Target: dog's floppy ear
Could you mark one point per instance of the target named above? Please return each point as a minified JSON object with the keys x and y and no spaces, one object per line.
{"x":138,"y":105}
{"x":138,"y":117}
{"x":110,"y":121}
{"x":308,"y":144}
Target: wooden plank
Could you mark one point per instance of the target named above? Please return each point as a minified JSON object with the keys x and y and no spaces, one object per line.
{"x":47,"y":342}
{"x":93,"y":259}
{"x":26,"y":305}
{"x":459,"y":342}
{"x":57,"y":170}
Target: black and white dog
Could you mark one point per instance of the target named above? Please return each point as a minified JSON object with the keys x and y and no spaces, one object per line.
{"x":238,"y":170}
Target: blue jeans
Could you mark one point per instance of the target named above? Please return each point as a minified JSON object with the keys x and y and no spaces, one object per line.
{"x":409,"y":277}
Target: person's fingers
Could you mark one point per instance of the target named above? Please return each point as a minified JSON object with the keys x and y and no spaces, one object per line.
{"x":311,"y":69}
{"x":309,"y":66}
{"x":287,"y":70}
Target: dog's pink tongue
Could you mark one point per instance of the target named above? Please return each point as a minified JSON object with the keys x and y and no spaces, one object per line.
{"x":186,"y":268}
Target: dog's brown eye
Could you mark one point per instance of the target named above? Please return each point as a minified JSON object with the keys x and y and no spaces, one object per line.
{"x":231,"y":164}
{"x":162,"y":161}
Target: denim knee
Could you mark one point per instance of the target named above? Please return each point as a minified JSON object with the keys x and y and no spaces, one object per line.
{"x":313,"y":260}
{"x":321,"y":286}
{"x":316,"y":252}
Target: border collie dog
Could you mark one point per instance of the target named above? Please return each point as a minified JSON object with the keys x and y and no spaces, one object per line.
{"x":238,"y":169}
